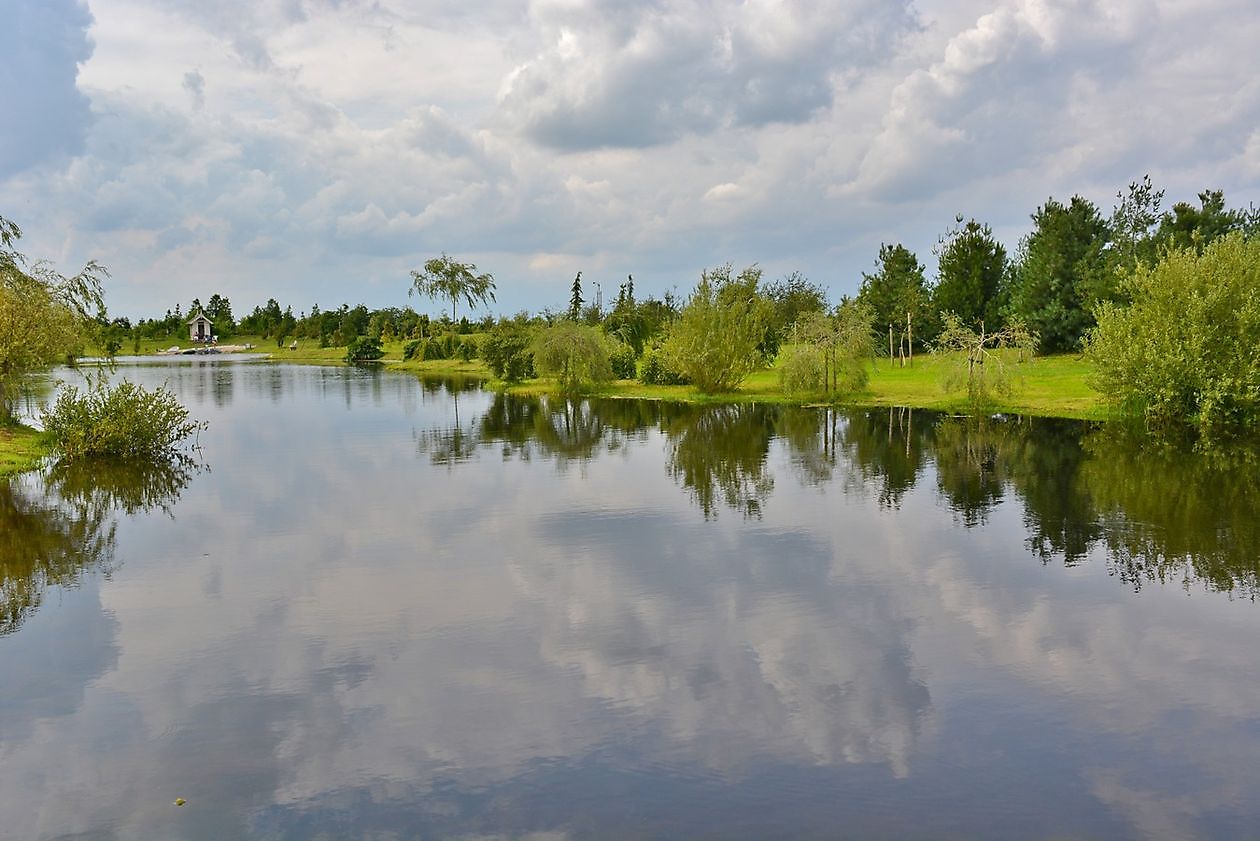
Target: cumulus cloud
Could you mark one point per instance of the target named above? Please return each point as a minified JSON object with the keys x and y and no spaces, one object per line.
{"x":615,"y":74}
{"x":318,"y":150}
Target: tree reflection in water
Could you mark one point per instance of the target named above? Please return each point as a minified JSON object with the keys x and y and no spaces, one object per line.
{"x":1158,"y":511}
{"x":58,"y":524}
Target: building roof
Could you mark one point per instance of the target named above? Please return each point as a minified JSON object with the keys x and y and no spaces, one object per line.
{"x":199,"y":314}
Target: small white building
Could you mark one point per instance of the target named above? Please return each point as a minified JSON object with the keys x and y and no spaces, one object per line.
{"x":200,"y":328}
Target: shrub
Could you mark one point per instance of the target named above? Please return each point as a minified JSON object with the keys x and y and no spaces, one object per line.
{"x":657,"y":370}
{"x":1184,"y":350}
{"x":364,"y":349}
{"x":803,"y":370}
{"x":506,"y":352}
{"x":411,"y":348}
{"x":125,"y":421}
{"x":575,"y":354}
{"x":720,"y":336}
{"x":624,"y":362}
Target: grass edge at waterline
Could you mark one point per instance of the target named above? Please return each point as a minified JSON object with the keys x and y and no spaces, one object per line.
{"x":21,"y":448}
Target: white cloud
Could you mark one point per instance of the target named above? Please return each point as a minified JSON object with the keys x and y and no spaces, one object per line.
{"x":316,"y":151}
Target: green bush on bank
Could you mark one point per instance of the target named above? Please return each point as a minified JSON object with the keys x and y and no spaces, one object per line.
{"x":506,"y":351}
{"x":364,"y":349}
{"x":1185,"y":349}
{"x":125,"y":421}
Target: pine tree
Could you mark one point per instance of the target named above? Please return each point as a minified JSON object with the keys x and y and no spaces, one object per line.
{"x":576,"y":300}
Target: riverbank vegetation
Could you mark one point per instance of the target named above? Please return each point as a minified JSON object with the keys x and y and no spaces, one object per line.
{"x":46,"y":318}
{"x":1145,"y":312}
{"x":1026,"y":328}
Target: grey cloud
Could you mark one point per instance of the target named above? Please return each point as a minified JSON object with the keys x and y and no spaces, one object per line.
{"x":195,"y":84}
{"x":615,"y":75}
{"x":45,"y":117}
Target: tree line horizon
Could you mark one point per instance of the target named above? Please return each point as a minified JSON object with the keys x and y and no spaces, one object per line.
{"x":1064,"y":286}
{"x":1072,"y":259}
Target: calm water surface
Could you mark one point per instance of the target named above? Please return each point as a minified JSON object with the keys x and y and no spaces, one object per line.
{"x":381,"y":608}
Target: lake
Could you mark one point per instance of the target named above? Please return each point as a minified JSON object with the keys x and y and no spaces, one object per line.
{"x":383,"y":608}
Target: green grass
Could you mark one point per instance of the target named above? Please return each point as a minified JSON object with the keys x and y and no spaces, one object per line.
{"x":21,"y":448}
{"x":1052,"y":386}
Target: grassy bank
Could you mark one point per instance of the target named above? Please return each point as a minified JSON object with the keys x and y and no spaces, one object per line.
{"x":20,"y":448}
{"x":1051,"y":386}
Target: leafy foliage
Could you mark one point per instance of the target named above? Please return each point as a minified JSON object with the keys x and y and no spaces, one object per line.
{"x":898,"y":288}
{"x":1187,"y":226}
{"x":791,"y":299}
{"x":834,"y":352}
{"x":125,"y":421}
{"x":444,"y":277}
{"x":506,"y":350}
{"x":1187,"y":349}
{"x":971,"y":275}
{"x":1062,"y":273}
{"x":624,"y":362}
{"x":575,"y":354}
{"x":718,"y":338}
{"x":45,"y":317}
{"x":364,"y":349}
{"x":983,"y":360}
{"x":1133,"y":224}
{"x":657,"y":369}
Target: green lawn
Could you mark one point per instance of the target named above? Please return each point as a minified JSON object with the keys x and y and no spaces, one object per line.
{"x":20,"y":448}
{"x":1050,"y":385}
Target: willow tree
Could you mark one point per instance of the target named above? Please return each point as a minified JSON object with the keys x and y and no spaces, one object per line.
{"x":45,"y":317}
{"x":449,"y":279}
{"x":716,"y":341}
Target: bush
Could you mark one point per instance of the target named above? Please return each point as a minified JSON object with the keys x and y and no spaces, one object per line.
{"x":803,"y":370}
{"x":624,"y":362}
{"x":1184,"y":350}
{"x":506,"y":352}
{"x":574,"y":354}
{"x":657,"y":370}
{"x":411,"y":348}
{"x":721,"y":337}
{"x":126,"y":421}
{"x":364,"y":349}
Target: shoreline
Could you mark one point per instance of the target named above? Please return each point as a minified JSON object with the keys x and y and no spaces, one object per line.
{"x":21,"y":449}
{"x":1053,"y":387}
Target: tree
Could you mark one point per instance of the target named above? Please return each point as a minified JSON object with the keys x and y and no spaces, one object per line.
{"x":219,"y":311}
{"x":1062,"y":273}
{"x":444,"y":277}
{"x":1184,"y":351}
{"x":791,"y":299}
{"x":896,"y":291}
{"x":983,"y":359}
{"x":575,"y":354}
{"x":575,"y":299}
{"x":1134,"y":221}
{"x":971,"y":274}
{"x":506,"y":351}
{"x":1187,"y":226}
{"x":716,"y":341}
{"x":364,"y":349}
{"x":832,"y":353}
{"x":44,"y":316}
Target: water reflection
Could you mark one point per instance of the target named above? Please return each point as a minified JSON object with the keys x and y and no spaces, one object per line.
{"x":1162,"y":512}
{"x":59,"y":523}
{"x":575,"y":619}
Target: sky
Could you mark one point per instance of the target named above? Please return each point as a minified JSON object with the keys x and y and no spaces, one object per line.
{"x":316,"y":151}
